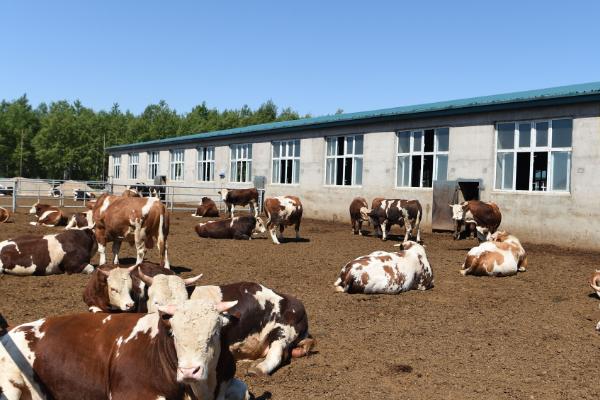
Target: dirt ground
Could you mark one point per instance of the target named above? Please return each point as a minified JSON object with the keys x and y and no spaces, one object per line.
{"x":529,"y":336}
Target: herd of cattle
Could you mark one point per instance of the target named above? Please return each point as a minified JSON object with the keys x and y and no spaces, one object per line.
{"x":187,"y":336}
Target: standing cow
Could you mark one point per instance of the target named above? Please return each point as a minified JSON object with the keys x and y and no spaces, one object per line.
{"x":240,"y":228}
{"x":69,"y":251}
{"x":407,"y":213}
{"x":240,"y":197}
{"x":47,"y":215}
{"x":207,"y":208}
{"x":141,"y":221}
{"x":4,"y":215}
{"x":387,"y":272}
{"x":175,"y":354}
{"x":282,"y":211}
{"x":485,"y":216}
{"x":503,"y":255}
{"x":358,"y":214}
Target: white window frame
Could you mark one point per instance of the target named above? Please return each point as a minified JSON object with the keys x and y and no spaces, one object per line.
{"x":287,"y":150}
{"x":133,"y":165}
{"x":117,"y":167}
{"x":532,"y":149}
{"x":240,"y":156}
{"x":153,"y":164}
{"x":337,"y":157}
{"x":205,"y":164}
{"x":177,"y":165}
{"x":422,"y":153}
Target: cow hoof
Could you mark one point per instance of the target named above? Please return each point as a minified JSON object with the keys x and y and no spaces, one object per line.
{"x":463,"y":272}
{"x":255,"y":371}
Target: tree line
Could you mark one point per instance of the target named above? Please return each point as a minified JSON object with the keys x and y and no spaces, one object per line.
{"x":66,"y":140}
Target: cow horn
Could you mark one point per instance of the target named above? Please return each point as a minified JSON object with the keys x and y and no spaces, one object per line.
{"x":192,"y":281}
{"x":148,"y":280}
{"x":103,"y":271}
{"x":223,"y":306}
{"x":132,"y":268}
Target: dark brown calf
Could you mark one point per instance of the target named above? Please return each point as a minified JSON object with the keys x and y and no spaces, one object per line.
{"x":358,"y":214}
{"x":69,"y":251}
{"x":240,"y":197}
{"x":240,"y":228}
{"x":4,"y":214}
{"x":47,"y":215}
{"x":207,"y":208}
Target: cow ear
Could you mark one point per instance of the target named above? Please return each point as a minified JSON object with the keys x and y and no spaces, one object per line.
{"x":102,"y":272}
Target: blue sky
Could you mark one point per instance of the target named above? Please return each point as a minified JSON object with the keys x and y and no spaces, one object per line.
{"x":315,"y":56}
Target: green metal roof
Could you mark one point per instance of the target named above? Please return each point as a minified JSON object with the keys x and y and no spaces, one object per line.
{"x":551,"y":96}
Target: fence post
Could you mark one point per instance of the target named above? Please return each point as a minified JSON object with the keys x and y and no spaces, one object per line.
{"x":14,"y":197}
{"x":172,"y":197}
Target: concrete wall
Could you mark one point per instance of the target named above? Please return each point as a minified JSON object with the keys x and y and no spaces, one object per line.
{"x":561,"y":218}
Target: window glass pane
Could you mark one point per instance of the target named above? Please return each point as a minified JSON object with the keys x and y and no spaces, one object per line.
{"x":340,"y":146}
{"x":524,"y":135}
{"x":350,"y":145}
{"x":523,"y":170}
{"x":339,"y":172}
{"x":358,"y":145}
{"x":297,"y":148}
{"x":348,"y":171}
{"x":506,"y":136}
{"x":415,"y":179}
{"x":296,"y":171}
{"x":428,"y":171}
{"x":276,"y":149}
{"x":443,"y":135}
{"x":562,"y":132}
{"x":442,"y":168}
{"x":404,"y":142}
{"x":540,"y":171}
{"x":330,"y":146}
{"x":275,"y":177}
{"x":504,"y":171}
{"x":561,"y":161}
{"x":330,"y":171}
{"x":403,"y":171}
{"x":417,"y":140}
{"x":541,"y":134}
{"x":358,"y":171}
{"x":428,"y":139}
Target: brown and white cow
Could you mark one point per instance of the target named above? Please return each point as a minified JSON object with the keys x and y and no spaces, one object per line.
{"x":240,"y":197}
{"x":175,"y":354}
{"x":69,"y":251}
{"x":47,"y":215}
{"x":359,"y":211}
{"x":503,"y":255}
{"x":207,"y":208}
{"x":240,"y":228}
{"x":112,"y":288}
{"x":141,"y":221}
{"x":80,"y":220}
{"x":4,"y":215}
{"x":486,"y":218}
{"x":387,"y":272}
{"x":130,"y":192}
{"x":595,"y":282}
{"x":282,"y":211}
{"x":268,"y":325}
{"x":407,"y":213}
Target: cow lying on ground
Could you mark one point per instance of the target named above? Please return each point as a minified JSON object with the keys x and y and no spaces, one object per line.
{"x":79,"y":194}
{"x":503,"y":255}
{"x":207,"y":208}
{"x":358,"y":214}
{"x":485,"y":216}
{"x":4,"y":215}
{"x":595,"y":282}
{"x":407,"y":213}
{"x":80,"y":220}
{"x":174,"y":354}
{"x":47,"y":215}
{"x":240,"y":228}
{"x":56,"y":192}
{"x":240,"y":197}
{"x":141,"y":221}
{"x":268,"y":325}
{"x":282,"y":211}
{"x":387,"y":272}
{"x":69,"y":251}
{"x":112,"y":288}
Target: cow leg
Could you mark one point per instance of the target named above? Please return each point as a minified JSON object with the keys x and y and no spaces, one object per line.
{"x":273,"y":359}
{"x":272,"y":230}
{"x":418,"y":227}
{"x":140,"y":247}
{"x":231,"y":210}
{"x":359,"y":223}
{"x":254,"y":209}
{"x":384,"y":231}
{"x":116,"y":247}
{"x":281,"y":228}
{"x":481,"y":233}
{"x":233,"y":389}
{"x":297,"y":229}
{"x":101,"y":248}
{"x":407,"y":231}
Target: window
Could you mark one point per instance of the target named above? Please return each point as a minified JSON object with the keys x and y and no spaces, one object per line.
{"x":134,"y":162}
{"x":344,"y":160}
{"x":286,"y":162}
{"x":241,"y":163}
{"x":153,"y":164}
{"x":116,"y":167}
{"x":422,"y":157}
{"x":534,"y":155}
{"x":177,"y":162}
{"x":206,"y":164}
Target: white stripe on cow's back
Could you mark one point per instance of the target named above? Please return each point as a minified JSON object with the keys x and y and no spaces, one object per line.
{"x":146,"y":324}
{"x":233,"y":220}
{"x":266,"y":294}
{"x":208,"y":293}
{"x":46,"y":214}
{"x":105,"y":205}
{"x":150,"y":201}
{"x":56,"y":253}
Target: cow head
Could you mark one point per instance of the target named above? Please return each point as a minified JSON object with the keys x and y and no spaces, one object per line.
{"x":34,"y":208}
{"x":260,"y":226}
{"x":195,"y":326}
{"x":364,"y":214}
{"x":223,"y":193}
{"x":166,"y":289}
{"x":119,"y":286}
{"x":458,"y":216}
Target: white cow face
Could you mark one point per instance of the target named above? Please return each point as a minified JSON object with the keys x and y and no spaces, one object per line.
{"x":33,"y":208}
{"x":196,"y":326}
{"x":364,"y":213}
{"x":458,"y":213}
{"x":223,"y":193}
{"x":119,"y":285}
{"x":164,"y":290}
{"x":260,"y":226}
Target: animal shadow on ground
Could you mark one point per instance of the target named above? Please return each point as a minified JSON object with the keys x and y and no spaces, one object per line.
{"x":264,"y":396}
{"x":293,"y":240}
{"x":179,"y":269}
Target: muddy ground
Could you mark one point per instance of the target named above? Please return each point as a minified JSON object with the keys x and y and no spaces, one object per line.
{"x":529,"y":336}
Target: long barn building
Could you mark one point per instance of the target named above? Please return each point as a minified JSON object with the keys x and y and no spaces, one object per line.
{"x":535,"y":153}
